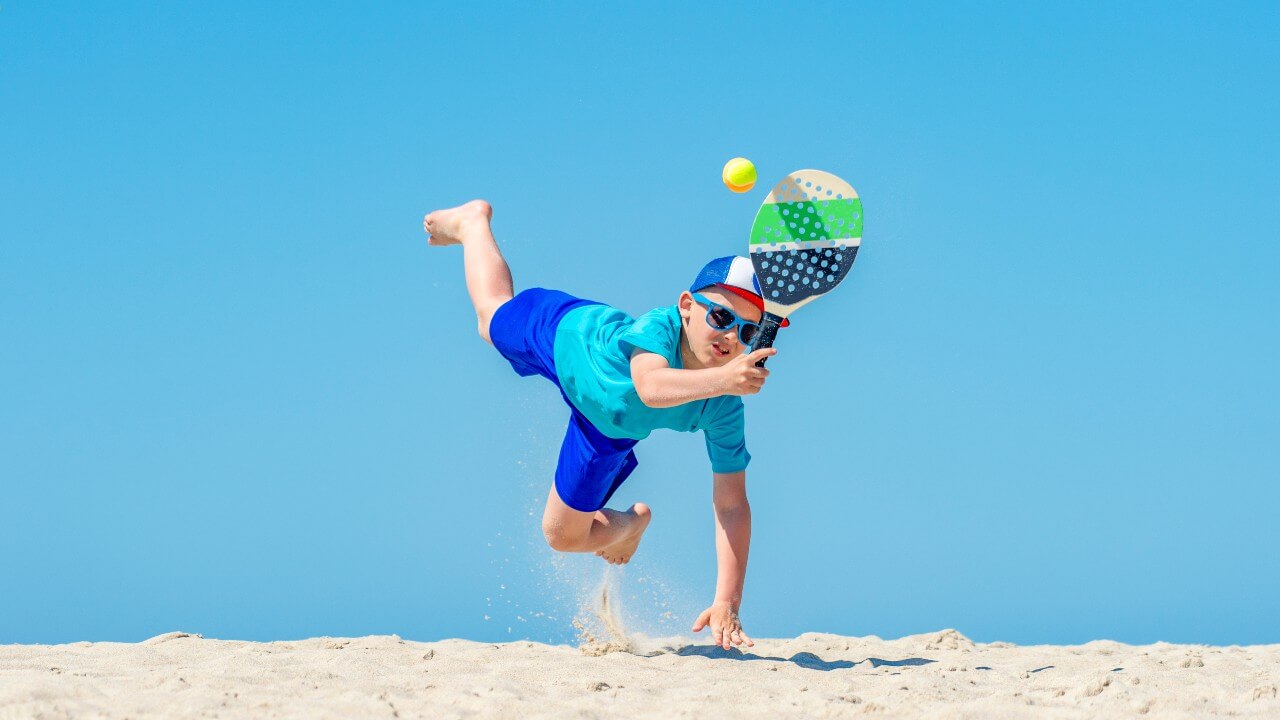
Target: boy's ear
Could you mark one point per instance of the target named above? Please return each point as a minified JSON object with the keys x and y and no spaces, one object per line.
{"x":685,"y":302}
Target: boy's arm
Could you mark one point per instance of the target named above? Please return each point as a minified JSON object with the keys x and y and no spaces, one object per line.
{"x":661,"y":386}
{"x":733,"y":535}
{"x":733,"y":540}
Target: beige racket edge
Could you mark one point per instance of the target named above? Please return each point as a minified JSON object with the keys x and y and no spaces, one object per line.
{"x":801,"y":185}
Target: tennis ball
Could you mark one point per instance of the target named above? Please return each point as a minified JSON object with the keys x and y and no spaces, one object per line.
{"x":739,"y":175}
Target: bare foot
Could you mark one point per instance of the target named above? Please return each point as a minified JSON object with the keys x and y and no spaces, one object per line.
{"x":620,"y":552}
{"x":447,"y":227}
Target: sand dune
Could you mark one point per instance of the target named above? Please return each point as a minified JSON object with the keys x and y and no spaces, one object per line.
{"x":938,"y":675}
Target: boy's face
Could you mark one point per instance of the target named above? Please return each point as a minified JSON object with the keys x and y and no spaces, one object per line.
{"x":712,"y":347}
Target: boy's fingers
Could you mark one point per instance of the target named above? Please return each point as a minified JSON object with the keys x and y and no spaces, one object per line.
{"x":701,"y":622}
{"x":761,"y":353}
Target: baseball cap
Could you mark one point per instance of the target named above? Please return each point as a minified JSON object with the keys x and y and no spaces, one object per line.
{"x":735,"y":274}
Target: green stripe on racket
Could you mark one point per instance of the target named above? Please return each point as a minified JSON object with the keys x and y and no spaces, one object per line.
{"x":803,"y":242}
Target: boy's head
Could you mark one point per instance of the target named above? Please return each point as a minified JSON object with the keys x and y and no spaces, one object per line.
{"x":729,"y":282}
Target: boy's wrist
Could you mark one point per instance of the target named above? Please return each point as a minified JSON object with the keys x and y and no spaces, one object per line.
{"x":733,"y":603}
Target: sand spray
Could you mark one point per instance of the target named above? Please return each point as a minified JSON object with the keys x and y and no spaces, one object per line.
{"x":599,"y":623}
{"x":575,"y":598}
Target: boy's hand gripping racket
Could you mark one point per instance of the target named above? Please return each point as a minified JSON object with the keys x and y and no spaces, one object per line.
{"x":803,"y":242}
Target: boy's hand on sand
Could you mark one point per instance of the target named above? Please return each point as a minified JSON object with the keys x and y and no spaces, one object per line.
{"x":726,"y":629}
{"x":742,"y":377}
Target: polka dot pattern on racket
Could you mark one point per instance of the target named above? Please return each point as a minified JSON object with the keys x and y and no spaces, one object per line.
{"x":787,"y":276}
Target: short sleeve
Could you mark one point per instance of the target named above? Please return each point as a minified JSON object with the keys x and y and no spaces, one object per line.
{"x":654,"y":331}
{"x":726,"y":437}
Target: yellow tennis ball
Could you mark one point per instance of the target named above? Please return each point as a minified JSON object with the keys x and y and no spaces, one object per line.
{"x":739,"y":175}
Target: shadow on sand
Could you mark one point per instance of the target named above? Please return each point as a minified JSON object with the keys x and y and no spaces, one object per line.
{"x":805,"y":660}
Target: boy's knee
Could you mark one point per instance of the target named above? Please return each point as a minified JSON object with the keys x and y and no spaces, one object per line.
{"x":558,"y":539}
{"x":561,"y":544}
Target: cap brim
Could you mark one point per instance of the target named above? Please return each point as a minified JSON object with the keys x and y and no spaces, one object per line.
{"x":750,"y":297}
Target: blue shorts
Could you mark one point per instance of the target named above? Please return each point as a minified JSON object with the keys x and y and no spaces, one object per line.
{"x":591,"y":465}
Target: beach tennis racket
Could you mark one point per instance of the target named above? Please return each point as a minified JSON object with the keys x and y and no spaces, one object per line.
{"x":803,"y":242}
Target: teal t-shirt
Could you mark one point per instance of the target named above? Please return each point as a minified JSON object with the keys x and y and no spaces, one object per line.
{"x":592,"y":352}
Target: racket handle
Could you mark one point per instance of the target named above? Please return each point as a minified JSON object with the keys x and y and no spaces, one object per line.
{"x":769,"y":325}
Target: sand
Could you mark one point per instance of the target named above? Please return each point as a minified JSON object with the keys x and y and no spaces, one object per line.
{"x":935,"y":675}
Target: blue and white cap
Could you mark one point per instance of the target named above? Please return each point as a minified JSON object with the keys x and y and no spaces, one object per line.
{"x":735,"y":274}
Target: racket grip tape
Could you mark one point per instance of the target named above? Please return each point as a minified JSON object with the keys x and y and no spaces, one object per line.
{"x":769,"y":325}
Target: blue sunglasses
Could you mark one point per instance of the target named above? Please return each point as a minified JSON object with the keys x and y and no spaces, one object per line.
{"x":722,"y":318}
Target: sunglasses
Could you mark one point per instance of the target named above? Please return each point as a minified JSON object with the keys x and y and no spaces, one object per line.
{"x":722,"y":318}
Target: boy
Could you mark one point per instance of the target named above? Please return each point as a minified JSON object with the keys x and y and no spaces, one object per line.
{"x":680,"y":367}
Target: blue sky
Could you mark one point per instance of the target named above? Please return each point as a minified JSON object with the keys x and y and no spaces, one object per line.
{"x":240,"y":396}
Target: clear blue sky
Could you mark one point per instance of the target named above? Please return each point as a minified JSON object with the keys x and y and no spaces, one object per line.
{"x":240,"y":396}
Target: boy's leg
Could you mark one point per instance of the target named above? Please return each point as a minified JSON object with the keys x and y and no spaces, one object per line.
{"x":488,"y":277}
{"x":611,"y":534}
